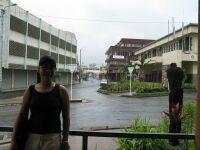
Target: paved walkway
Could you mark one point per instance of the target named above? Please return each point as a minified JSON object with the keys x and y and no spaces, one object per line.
{"x":18,"y":100}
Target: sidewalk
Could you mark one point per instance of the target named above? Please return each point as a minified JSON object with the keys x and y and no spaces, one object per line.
{"x":11,"y":101}
{"x":18,"y":100}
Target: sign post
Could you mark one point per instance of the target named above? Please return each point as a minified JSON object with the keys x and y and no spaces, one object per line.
{"x":130,"y":70}
{"x":72,"y":68}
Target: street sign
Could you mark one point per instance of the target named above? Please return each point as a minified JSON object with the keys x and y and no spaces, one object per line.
{"x":72,"y":67}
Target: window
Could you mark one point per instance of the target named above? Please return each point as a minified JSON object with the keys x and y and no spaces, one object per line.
{"x":154,"y":52}
{"x":180,"y":44}
{"x":190,"y":44}
{"x":187,"y":43}
{"x":174,"y":46}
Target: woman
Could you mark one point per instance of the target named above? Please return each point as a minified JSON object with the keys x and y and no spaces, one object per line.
{"x":45,"y":100}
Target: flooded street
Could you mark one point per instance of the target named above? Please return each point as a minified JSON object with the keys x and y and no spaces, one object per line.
{"x":100,"y":111}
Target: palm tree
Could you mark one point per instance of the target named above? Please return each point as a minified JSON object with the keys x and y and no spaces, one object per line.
{"x":141,"y":63}
{"x":124,"y":69}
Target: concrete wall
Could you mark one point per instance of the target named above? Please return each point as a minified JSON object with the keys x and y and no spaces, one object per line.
{"x":7,"y":82}
{"x":16,"y":79}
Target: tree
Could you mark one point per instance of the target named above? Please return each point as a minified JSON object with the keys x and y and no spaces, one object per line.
{"x":56,"y":76}
{"x":124,"y":70}
{"x":141,"y":63}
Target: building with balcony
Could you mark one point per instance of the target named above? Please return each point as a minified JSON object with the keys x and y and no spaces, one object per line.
{"x":122,"y":53}
{"x":179,"y":47}
{"x":25,"y":38}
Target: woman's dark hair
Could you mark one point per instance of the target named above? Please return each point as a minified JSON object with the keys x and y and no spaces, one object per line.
{"x":173,"y":65}
{"x":46,"y":61}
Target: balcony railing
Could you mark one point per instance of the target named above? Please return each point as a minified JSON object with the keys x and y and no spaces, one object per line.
{"x":136,"y":135}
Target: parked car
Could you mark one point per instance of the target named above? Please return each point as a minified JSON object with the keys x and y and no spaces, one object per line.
{"x":103,"y":83}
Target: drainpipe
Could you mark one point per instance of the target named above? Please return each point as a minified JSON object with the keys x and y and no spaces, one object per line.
{"x":197,"y":131}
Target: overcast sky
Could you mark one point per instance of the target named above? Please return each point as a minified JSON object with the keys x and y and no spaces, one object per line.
{"x":99,"y":24}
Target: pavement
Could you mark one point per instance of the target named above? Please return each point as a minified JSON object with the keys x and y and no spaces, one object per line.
{"x":11,"y":101}
{"x":18,"y":100}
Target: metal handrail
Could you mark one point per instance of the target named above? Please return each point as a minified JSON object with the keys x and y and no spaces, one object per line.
{"x":137,"y":135}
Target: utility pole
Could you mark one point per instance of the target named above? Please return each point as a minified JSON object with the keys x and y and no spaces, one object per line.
{"x":80,"y":77}
{"x":197,"y":130}
{"x":1,"y":43}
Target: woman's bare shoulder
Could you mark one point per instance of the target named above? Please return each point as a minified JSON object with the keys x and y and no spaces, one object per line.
{"x":63,"y":90}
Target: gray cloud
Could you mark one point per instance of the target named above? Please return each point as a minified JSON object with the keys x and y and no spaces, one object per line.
{"x":99,"y":24}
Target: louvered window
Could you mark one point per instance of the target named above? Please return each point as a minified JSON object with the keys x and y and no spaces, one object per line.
{"x":68,"y":46}
{"x":74,"y":48}
{"x":32,"y":52}
{"x":44,"y":53}
{"x":73,"y":61}
{"x":62,"y":44}
{"x":33,"y":31}
{"x":17,"y":25}
{"x":61,"y":59}
{"x":54,"y":40}
{"x":16,"y":49}
{"x":54,"y":56}
{"x":45,"y":36}
{"x":68,"y":60}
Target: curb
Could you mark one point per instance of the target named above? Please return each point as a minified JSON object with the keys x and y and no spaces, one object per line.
{"x":19,"y":103}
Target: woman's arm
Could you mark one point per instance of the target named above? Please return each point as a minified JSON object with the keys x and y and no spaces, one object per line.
{"x":22,"y":113}
{"x":65,"y":112}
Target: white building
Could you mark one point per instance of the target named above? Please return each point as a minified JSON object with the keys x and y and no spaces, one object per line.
{"x":25,"y":38}
{"x":180,"y":47}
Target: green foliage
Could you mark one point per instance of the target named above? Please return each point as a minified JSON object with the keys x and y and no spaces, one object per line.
{"x":85,"y":76}
{"x":56,"y":76}
{"x":189,"y":86}
{"x":188,"y":124}
{"x":138,"y":87}
{"x":140,"y":125}
{"x":142,"y":62}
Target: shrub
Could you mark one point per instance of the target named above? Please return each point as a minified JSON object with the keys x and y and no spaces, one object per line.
{"x":189,"y":124}
{"x":138,"y":87}
{"x":189,"y":86}
{"x":140,"y":125}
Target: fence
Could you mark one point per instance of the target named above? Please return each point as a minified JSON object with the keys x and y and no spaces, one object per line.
{"x":86,"y":134}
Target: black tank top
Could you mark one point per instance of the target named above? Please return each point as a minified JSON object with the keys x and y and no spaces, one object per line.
{"x":45,"y":111}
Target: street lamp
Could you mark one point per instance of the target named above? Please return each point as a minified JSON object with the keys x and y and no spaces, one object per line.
{"x":72,"y":68}
{"x":4,"y":9}
{"x":130,"y":70}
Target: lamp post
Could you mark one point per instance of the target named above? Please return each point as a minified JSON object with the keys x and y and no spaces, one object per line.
{"x":9,"y":6}
{"x":80,"y":75}
{"x":72,"y":68}
{"x":130,"y":70}
{"x":2,"y":12}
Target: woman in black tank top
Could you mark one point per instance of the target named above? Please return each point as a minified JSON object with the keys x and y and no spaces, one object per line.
{"x":45,"y":100}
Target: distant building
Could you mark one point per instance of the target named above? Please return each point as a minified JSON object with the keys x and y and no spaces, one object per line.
{"x":25,"y":39}
{"x":122,"y":53}
{"x":180,"y":47}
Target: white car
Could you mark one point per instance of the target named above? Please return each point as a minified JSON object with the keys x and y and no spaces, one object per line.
{"x":103,"y":82}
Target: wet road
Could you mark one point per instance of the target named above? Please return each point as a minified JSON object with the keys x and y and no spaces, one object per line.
{"x":100,"y":111}
{"x":113,"y":111}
